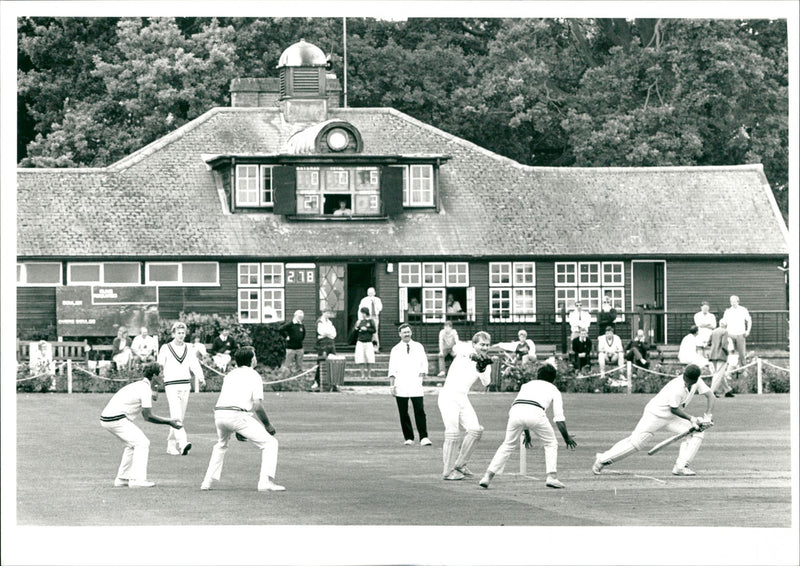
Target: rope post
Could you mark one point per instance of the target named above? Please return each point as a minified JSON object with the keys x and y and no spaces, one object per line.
{"x":523,"y":457}
{"x":69,"y":375}
{"x":760,"y":377}
{"x":630,"y":376}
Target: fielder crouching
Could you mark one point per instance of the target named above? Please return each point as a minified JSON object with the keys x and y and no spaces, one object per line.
{"x":666,"y":411}
{"x":239,"y":411}
{"x":117,"y":418}
{"x":528,"y":412}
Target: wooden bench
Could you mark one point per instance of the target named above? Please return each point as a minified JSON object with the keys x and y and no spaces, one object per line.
{"x":62,"y":351}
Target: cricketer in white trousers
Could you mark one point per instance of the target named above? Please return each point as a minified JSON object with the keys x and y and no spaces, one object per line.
{"x":457,"y":412}
{"x":178,"y":361}
{"x":529,"y":411}
{"x":657,"y":416}
{"x":117,"y":418}
{"x":241,"y":388}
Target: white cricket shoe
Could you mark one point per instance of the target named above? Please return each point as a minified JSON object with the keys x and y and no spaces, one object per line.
{"x":684,"y":471}
{"x":598,"y":466}
{"x":554,"y":483}
{"x":484,"y":483}
{"x":120,"y":482}
{"x":454,"y":475}
{"x":140,"y":483}
{"x":425,"y":442}
{"x":271,"y":486}
{"x":409,"y":442}
{"x":465,"y":470}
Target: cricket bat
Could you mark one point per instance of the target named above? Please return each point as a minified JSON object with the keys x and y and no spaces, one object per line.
{"x":673,"y":439}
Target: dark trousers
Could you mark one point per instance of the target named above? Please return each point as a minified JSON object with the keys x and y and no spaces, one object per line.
{"x":419,"y":417}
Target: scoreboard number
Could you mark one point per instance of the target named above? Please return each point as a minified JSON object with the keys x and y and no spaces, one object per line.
{"x":300,"y":276}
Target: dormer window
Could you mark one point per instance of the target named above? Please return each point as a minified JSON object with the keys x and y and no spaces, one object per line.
{"x":253,"y":186}
{"x":418,"y":185}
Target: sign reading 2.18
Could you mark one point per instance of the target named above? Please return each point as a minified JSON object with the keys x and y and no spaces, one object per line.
{"x":300,"y":276}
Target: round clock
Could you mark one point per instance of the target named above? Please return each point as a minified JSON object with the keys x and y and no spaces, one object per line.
{"x":337,"y":139}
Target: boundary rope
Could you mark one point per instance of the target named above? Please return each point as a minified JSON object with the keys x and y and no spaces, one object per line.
{"x":787,"y":370}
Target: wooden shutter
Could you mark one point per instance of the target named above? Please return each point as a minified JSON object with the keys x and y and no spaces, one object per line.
{"x":403,"y":302}
{"x":392,"y":190}
{"x":284,"y":183}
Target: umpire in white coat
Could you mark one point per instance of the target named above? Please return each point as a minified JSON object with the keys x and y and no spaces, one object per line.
{"x":408,"y":366}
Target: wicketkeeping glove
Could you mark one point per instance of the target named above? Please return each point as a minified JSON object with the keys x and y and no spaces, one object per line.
{"x":481,"y":363}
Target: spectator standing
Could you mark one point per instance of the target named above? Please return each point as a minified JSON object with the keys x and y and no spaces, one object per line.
{"x":636,"y":351}
{"x":581,"y":348}
{"x":365,"y":350}
{"x":117,"y":418}
{"x":121,"y":353}
{"x":408,"y":366}
{"x":239,"y":410}
{"x":144,"y":346}
{"x":609,"y":349}
{"x":705,"y":322}
{"x":608,"y":314}
{"x":326,"y":334}
{"x":739,"y":327}
{"x":294,"y":332}
{"x":222,"y":349}
{"x":375,"y":306}
{"x":718,"y":357}
{"x":178,"y":361}
{"x":448,"y":338}
{"x":471,"y":363}
{"x":577,"y":319}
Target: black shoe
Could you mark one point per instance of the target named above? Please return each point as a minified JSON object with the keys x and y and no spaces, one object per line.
{"x":730,"y":394}
{"x":187,"y":448}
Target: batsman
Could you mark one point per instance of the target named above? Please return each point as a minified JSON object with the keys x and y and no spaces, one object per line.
{"x":666,"y":411}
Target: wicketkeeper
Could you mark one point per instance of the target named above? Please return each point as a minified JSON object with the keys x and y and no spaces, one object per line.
{"x":666,"y":411}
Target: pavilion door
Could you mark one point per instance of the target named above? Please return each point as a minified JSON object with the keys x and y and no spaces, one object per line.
{"x":333,"y":298}
{"x":649,"y":299}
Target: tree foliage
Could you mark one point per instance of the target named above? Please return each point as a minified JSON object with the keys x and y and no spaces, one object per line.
{"x":556,"y":92}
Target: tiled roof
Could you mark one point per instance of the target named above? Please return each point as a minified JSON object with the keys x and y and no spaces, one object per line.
{"x":162,"y":201}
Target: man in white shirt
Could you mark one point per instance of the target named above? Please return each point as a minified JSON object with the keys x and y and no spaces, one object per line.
{"x":471,"y":363}
{"x":448,"y":338}
{"x":408,"y":366}
{"x":609,"y":349}
{"x":705,"y":322}
{"x":117,"y":418}
{"x":688,"y":351}
{"x":666,"y":411}
{"x":145,"y":346}
{"x":178,"y":362}
{"x":239,"y":410}
{"x":578,"y":319}
{"x":375,"y":307}
{"x":529,"y":412}
{"x":739,"y":326}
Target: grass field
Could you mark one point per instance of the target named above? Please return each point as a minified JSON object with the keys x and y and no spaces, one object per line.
{"x":343,"y":462}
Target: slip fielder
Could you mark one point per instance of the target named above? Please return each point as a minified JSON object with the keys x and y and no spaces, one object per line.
{"x":666,"y":411}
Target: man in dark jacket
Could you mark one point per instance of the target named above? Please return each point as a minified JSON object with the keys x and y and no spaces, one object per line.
{"x":636,"y":351}
{"x":294,"y":332}
{"x":581,"y":347}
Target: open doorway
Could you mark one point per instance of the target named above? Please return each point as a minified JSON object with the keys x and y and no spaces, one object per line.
{"x":360,"y":277}
{"x":648,"y":299}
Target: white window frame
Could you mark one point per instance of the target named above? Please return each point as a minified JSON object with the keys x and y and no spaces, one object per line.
{"x":406,"y":275}
{"x":415,"y":193}
{"x":101,"y":273}
{"x":591,"y":287}
{"x":247,"y":185}
{"x":434,"y":304}
{"x":498,"y":270}
{"x":437,"y":276}
{"x":457,"y":274}
{"x":521,"y":314}
{"x":277,"y":272}
{"x":250,"y":271}
{"x":180,"y":282}
{"x":254,"y":315}
{"x":277,"y":298}
{"x":262,"y":184}
{"x":520,"y":268}
{"x":22,"y":276}
{"x":501,"y":313}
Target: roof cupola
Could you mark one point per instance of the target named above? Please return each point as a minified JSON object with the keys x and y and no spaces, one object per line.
{"x":303,"y":84}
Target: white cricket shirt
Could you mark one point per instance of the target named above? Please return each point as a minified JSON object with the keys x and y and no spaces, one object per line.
{"x":179,"y":362}
{"x":463,"y":371}
{"x":240,"y":388}
{"x":544,"y":393}
{"x":130,"y":400}
{"x":674,"y":394}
